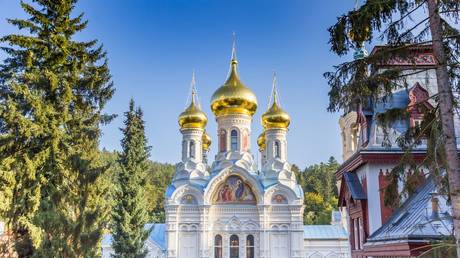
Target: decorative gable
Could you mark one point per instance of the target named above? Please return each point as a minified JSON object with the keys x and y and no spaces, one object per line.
{"x":418,"y":103}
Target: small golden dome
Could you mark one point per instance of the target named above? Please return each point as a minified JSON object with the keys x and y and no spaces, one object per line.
{"x":233,"y":97}
{"x":359,"y":36}
{"x":275,"y":116}
{"x":206,"y":139}
{"x":193,"y":117}
{"x":261,"y":141}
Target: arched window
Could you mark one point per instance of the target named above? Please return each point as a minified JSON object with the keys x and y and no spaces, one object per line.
{"x":223,"y":141}
{"x":234,"y":140}
{"x":191,"y":152}
{"x":184,"y":149}
{"x":250,"y":246}
{"x":277,"y":150}
{"x":218,"y":246}
{"x":234,"y":247}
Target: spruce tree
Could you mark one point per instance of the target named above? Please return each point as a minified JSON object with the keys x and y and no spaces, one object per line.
{"x":53,"y":89}
{"x":402,"y":25}
{"x":130,"y":213}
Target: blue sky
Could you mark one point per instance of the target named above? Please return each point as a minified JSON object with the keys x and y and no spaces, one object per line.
{"x":153,"y":46}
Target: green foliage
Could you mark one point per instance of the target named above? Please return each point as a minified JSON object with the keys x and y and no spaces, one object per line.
{"x":319,"y":185}
{"x":52,"y":92}
{"x":130,"y":213}
{"x":159,"y":177}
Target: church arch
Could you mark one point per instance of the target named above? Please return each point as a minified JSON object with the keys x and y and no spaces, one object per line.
{"x":279,"y":192}
{"x":187,"y":194}
{"x":234,"y":190}
{"x":211,"y":190}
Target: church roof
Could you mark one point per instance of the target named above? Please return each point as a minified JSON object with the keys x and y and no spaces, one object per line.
{"x":324,"y":232}
{"x":414,"y":220}
{"x":354,"y":186}
{"x":157,"y":236}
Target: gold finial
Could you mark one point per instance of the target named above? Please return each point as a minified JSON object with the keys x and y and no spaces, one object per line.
{"x":193,"y":117}
{"x":275,"y":117}
{"x":274,"y":94}
{"x":234,"y":48}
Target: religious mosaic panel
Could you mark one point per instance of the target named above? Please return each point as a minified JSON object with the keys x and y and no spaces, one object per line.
{"x":234,"y":190}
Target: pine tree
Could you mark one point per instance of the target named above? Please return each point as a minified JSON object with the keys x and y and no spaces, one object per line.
{"x":404,"y":24}
{"x":130,"y":213}
{"x":52,"y":93}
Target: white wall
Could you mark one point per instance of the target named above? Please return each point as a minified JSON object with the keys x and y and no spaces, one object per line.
{"x":331,"y":248}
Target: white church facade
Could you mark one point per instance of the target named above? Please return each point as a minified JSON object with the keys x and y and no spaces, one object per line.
{"x":231,"y":208}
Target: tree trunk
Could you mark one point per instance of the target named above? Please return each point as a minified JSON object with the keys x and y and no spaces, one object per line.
{"x":446,"y":106}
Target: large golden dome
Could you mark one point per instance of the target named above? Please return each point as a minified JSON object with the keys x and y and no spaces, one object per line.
{"x":206,"y":141}
{"x":233,"y":97}
{"x":193,"y":117}
{"x":275,"y":116}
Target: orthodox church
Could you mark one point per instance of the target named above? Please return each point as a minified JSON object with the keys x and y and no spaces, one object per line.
{"x":230,"y":208}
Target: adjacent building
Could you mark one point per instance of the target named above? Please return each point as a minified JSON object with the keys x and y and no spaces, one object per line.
{"x":369,"y":154}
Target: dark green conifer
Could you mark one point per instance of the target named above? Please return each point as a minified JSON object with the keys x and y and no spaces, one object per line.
{"x":52,"y":92}
{"x":130,"y":215}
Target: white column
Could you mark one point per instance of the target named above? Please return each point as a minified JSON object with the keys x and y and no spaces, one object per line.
{"x":192,"y":145}
{"x":276,"y":144}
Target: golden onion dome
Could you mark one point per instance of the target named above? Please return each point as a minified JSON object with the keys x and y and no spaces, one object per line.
{"x":233,"y":97}
{"x":275,"y":116}
{"x":206,"y":139}
{"x":261,"y":141}
{"x":359,"y":36}
{"x":193,"y":117}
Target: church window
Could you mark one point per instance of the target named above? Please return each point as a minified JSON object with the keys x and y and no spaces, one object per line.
{"x":277,"y":150}
{"x":218,"y":246}
{"x":223,"y":141}
{"x":192,"y":149}
{"x":250,"y":246}
{"x":234,"y":246}
{"x":234,"y":140}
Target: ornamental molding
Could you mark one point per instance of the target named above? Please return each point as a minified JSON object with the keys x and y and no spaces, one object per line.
{"x":189,"y":227}
{"x":183,"y":190}
{"x":282,"y":190}
{"x":422,"y":59}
